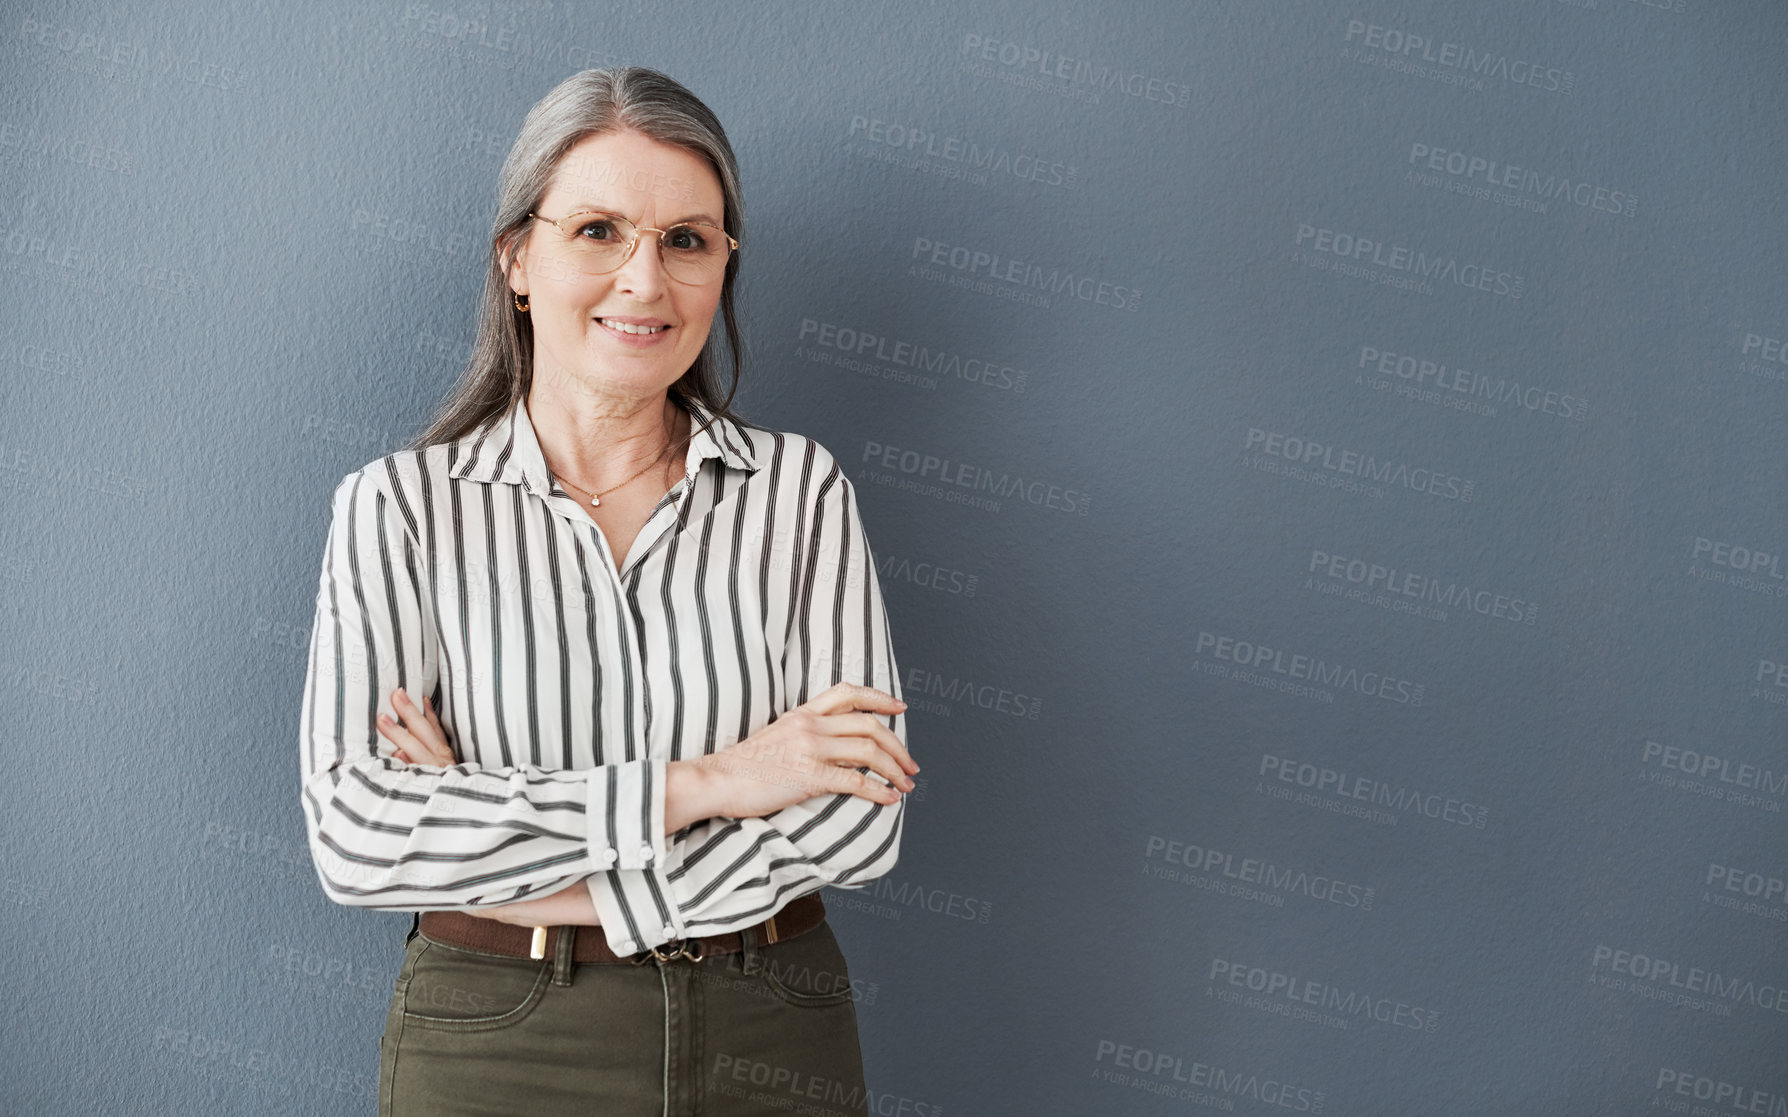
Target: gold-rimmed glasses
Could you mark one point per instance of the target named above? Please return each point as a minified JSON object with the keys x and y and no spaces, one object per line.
{"x":597,"y":242}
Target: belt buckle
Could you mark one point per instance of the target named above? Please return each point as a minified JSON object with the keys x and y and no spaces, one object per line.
{"x":681,"y":951}
{"x":768,"y":926}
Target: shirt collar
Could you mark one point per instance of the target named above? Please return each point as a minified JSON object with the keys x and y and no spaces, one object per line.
{"x":505,"y":449}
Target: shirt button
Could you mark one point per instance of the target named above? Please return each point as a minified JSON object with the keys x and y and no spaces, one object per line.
{"x":626,"y":946}
{"x":645,"y":851}
{"x":608,"y":857}
{"x":669,"y":931}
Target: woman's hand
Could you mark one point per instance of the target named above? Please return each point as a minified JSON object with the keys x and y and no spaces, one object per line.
{"x":814,"y":749}
{"x":572,"y":905}
{"x":420,"y":739}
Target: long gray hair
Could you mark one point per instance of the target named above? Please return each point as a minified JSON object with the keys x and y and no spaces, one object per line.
{"x":588,"y":103}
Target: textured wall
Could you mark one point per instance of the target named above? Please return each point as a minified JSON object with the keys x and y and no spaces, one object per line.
{"x":1324,"y":459}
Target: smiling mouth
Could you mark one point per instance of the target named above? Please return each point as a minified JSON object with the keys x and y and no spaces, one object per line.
{"x":627,"y":328}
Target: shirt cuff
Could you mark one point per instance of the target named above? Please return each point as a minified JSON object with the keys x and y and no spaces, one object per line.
{"x":628,"y":906}
{"x":625,"y":814}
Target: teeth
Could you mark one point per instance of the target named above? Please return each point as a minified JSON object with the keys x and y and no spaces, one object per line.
{"x":626,"y":328}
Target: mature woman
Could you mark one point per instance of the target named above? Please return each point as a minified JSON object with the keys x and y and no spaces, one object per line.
{"x":601,"y":682}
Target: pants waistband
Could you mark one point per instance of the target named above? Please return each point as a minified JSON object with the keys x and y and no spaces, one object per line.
{"x":457,"y":928}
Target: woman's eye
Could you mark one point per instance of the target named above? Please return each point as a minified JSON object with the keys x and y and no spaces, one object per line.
{"x":686,"y":239}
{"x":597,"y":230}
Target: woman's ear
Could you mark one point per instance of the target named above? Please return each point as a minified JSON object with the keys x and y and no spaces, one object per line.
{"x":512,"y":258}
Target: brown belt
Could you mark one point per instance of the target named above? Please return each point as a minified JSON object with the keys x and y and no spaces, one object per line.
{"x":456,"y":928}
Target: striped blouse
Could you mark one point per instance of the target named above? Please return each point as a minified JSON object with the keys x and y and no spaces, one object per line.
{"x":464,"y":572}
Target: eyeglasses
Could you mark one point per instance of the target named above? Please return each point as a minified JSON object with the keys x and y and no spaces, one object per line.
{"x":693,"y":252}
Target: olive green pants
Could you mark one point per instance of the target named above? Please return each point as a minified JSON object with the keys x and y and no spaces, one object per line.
{"x":771,"y":1030}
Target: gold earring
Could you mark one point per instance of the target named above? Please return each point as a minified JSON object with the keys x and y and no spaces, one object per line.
{"x":520,"y":305}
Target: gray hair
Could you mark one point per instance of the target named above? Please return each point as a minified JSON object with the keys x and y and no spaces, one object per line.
{"x":588,"y":103}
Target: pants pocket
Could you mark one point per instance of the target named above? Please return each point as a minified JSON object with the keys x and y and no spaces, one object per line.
{"x":394,"y":1023}
{"x":808,"y":969}
{"x":456,"y":990}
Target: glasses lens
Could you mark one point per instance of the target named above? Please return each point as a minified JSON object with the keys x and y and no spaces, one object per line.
{"x":694,"y":253}
{"x":598,"y":241}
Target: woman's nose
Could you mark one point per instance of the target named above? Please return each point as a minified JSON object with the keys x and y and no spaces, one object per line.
{"x":643,"y":273}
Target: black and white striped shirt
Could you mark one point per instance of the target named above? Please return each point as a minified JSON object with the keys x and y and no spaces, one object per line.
{"x":464,"y":572}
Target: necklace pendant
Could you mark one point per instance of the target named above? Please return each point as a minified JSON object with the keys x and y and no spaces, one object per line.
{"x":595,"y":500}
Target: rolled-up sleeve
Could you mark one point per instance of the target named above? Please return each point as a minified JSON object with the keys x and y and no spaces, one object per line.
{"x":727,"y":873}
{"x":385,"y":834}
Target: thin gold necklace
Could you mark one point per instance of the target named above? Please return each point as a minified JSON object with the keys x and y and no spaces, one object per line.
{"x":596,"y":498}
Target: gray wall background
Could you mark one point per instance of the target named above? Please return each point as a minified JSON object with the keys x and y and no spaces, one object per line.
{"x":1335,"y":553}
